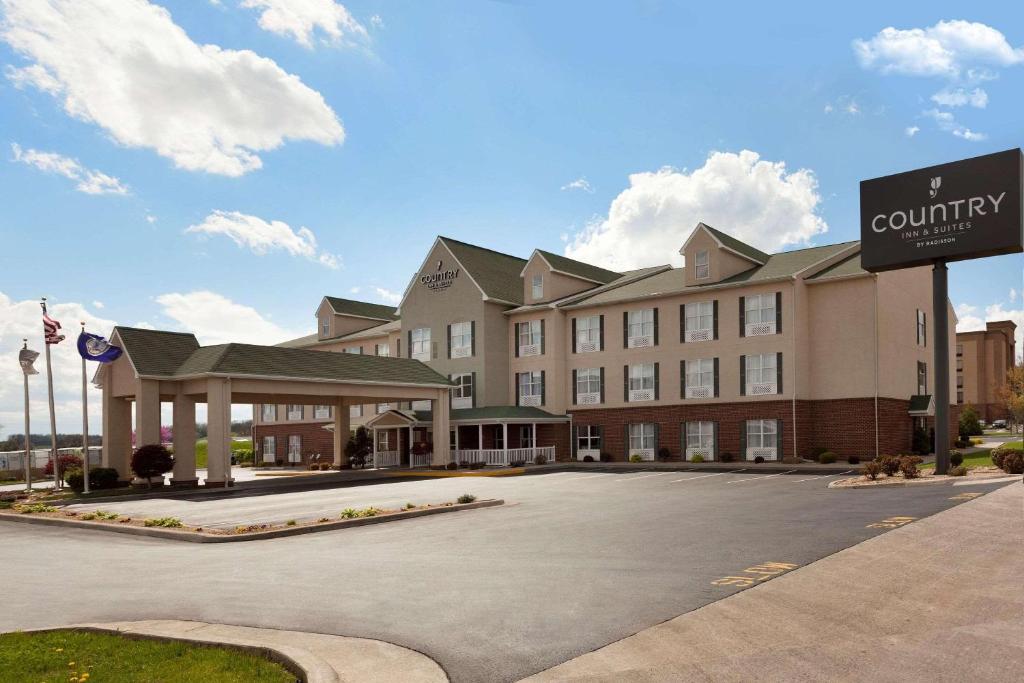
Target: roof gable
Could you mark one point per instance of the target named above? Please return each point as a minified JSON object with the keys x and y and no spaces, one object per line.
{"x":361,"y":309}
{"x":155,"y":352}
{"x":496,"y":274}
{"x":730,"y":243}
{"x":564,"y":265}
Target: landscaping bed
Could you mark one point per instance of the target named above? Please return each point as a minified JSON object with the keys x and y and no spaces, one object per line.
{"x":902,"y":470}
{"x":80,"y":656}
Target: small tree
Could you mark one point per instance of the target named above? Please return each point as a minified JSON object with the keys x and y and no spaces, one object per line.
{"x":359,"y":446}
{"x":970,"y":424}
{"x":68,"y":461}
{"x":1011,"y":393}
{"x":152,"y":460}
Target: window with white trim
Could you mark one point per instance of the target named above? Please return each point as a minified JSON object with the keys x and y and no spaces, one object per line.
{"x":526,"y":436}
{"x":588,"y":386}
{"x":700,"y":378}
{"x":761,"y":434}
{"x":761,"y":373}
{"x":355,"y":411}
{"x":531,"y":388}
{"x":701,"y":265}
{"x":588,"y":334}
{"x":420,"y":348}
{"x":382,"y":349}
{"x":641,"y":382}
{"x":322,"y":412}
{"x":700,"y":321}
{"x":922,"y":328}
{"x":325,"y":327}
{"x":269,"y":412}
{"x":922,"y":378}
{"x":383,"y":408}
{"x":462,"y":392}
{"x":499,"y":439}
{"x":700,"y":439}
{"x":383,"y":440}
{"x":294,"y":448}
{"x":530,"y":335}
{"x":462,"y":340}
{"x":641,"y":438}
{"x":269,"y":449}
{"x":538,"y":287}
{"x":640,"y":328}
{"x":588,"y":438}
{"x":294,"y":412}
{"x":759,"y":314}
{"x":420,"y":405}
{"x":358,"y":350}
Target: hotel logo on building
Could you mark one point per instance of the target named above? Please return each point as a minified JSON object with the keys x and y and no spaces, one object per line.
{"x":441,"y":278}
{"x":962,"y":210}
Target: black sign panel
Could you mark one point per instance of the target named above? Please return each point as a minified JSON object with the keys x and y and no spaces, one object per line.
{"x":951,"y":212}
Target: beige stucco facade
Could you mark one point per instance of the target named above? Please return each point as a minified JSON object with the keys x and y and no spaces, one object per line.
{"x":982,"y":359}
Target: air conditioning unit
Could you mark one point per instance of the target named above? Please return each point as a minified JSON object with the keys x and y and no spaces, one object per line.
{"x":699,"y":335}
{"x":533,"y":400}
{"x":529,"y":350}
{"x":461,"y":352}
{"x":698,"y":392}
{"x":766,"y":453}
{"x":761,"y":388}
{"x":641,"y":395}
{"x":589,"y":399}
{"x":760,"y":329}
{"x":640,"y":342}
{"x":586,"y":347}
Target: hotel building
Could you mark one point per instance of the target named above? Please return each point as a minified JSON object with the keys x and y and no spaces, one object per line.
{"x":738,"y":355}
{"x":982,"y":361}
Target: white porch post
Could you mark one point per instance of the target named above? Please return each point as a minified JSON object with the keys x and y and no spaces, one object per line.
{"x":412,"y":456}
{"x":375,"y":447}
{"x":504,"y":440}
{"x":480,"y":436}
{"x":218,"y":432}
{"x":533,"y":430}
{"x":442,"y":445}
{"x":184,"y":437}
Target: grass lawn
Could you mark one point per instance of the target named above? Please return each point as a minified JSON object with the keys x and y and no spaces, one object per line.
{"x":1014,"y":445}
{"x":245,"y":445}
{"x":983,"y":459}
{"x":80,"y":657}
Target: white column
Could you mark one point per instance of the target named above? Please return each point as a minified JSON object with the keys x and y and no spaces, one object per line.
{"x":218,"y":432}
{"x":147,"y":420}
{"x":117,"y":432}
{"x":480,"y":437}
{"x":442,"y":446}
{"x":342,"y":426}
{"x":504,"y":439}
{"x":184,"y":435}
{"x":412,"y":456}
{"x":533,"y":430}
{"x":375,"y":447}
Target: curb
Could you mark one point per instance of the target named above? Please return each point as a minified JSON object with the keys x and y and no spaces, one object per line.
{"x":440,"y":474}
{"x":198,"y":537}
{"x":919,"y":482}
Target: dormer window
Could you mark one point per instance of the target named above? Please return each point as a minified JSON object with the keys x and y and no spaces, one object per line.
{"x":701,"y":265}
{"x":325,"y":327}
{"x":538,"y":287}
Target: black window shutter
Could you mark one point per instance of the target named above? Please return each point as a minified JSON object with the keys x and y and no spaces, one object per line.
{"x":574,"y":393}
{"x":410,"y":344}
{"x":655,"y":325}
{"x":743,"y":375}
{"x":398,"y":347}
{"x":714,"y":317}
{"x":602,"y":384}
{"x":625,"y":383}
{"x":743,"y":316}
{"x":625,"y":329}
{"x":574,"y":335}
{"x":472,"y":338}
{"x":515,"y":342}
{"x":778,"y":312}
{"x":626,"y":440}
{"x":714,"y":432}
{"x":682,"y":379}
{"x":449,"y":335}
{"x":451,"y":394}
{"x":600,"y":326}
{"x":924,"y":329}
{"x":682,"y":323}
{"x":657,"y":438}
{"x":543,"y":388}
{"x":778,"y":438}
{"x":716,"y":376}
{"x":778,"y":372}
{"x":743,"y":440}
{"x":517,"y":390}
{"x":657,"y":381}
{"x":542,"y":336}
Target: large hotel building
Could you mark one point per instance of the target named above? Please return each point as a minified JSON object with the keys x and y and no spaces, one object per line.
{"x":983,"y":358}
{"x":738,"y":355}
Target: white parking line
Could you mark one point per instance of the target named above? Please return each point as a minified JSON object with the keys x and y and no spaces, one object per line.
{"x":643,"y":476}
{"x":705,"y":476}
{"x":821,"y":476}
{"x":767,"y":476}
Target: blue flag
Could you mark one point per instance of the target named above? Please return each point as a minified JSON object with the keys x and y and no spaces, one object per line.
{"x":95,"y":347}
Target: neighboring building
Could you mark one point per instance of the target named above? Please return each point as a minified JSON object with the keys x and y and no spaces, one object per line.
{"x":740,"y":352}
{"x":982,"y":361}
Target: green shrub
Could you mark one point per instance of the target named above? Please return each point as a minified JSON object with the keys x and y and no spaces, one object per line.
{"x":636,"y":457}
{"x":409,"y":506}
{"x":313,"y":467}
{"x":817,"y":451}
{"x":152,"y":460}
{"x":99,"y":478}
{"x":541,"y":459}
{"x":890,"y":465}
{"x":956,"y":458}
{"x":349,"y":513}
{"x":958,"y":471}
{"x":1013,"y":462}
{"x":827,"y":458}
{"x":165,"y":522}
{"x":290,"y":522}
{"x":33,"y":508}
{"x":908,"y":466}
{"x":697,"y":457}
{"x":664,"y":453}
{"x":853,"y":459}
{"x":6,"y":505}
{"x":517,"y":463}
{"x":480,"y":464}
{"x":370,"y":512}
{"x":467,"y":498}
{"x":871,"y":469}
{"x":969,"y":422}
{"x":452,"y":466}
{"x":997,"y":456}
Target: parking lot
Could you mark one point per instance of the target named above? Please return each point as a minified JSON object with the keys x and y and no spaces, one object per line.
{"x":573,"y":561}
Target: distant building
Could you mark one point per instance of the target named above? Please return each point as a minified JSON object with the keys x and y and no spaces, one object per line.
{"x":982,"y":360}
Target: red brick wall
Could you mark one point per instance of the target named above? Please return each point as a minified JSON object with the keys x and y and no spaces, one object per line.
{"x":315,"y":439}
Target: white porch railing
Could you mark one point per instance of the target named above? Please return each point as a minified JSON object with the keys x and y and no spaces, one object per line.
{"x":422,"y":460}
{"x":386,"y":459}
{"x":501,"y":456}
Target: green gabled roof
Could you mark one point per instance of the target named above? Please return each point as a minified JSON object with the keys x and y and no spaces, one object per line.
{"x":847,"y":267}
{"x":156,"y":352}
{"x":579,"y":268}
{"x":736,"y":245}
{"x":788,"y":263}
{"x":361,"y":309}
{"x":497,"y":274}
{"x":487,"y":413}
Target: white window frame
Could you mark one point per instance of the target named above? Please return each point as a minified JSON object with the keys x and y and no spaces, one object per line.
{"x":461,"y":340}
{"x":922,"y":328}
{"x":529,"y":337}
{"x":588,"y":334}
{"x":325,"y":327}
{"x":420,"y":346}
{"x":355,"y":411}
{"x":462,"y":392}
{"x":383,"y":440}
{"x":642,"y":437}
{"x":700,"y":378}
{"x":294,"y":448}
{"x":640,"y":328}
{"x":293,"y":412}
{"x":269,"y":449}
{"x":531,"y":388}
{"x":702,"y":260}
{"x":699,"y":321}
{"x":588,"y":386}
{"x":922,"y":378}
{"x":641,"y":382}
{"x":421,"y":405}
{"x":537,"y":286}
{"x":273,"y":412}
{"x":761,"y":374}
{"x":526,"y":437}
{"x":762,"y":439}
{"x":383,"y":408}
{"x":385,"y":347}
{"x":322,"y":412}
{"x":700,"y":438}
{"x":588,"y":442}
{"x":759,"y":314}
{"x":354,"y":350}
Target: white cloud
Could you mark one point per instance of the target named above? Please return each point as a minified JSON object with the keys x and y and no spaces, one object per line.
{"x":215,"y":319}
{"x":88,"y":180}
{"x":376,"y":21}
{"x":911,"y":131}
{"x":23,"y":319}
{"x":97,"y":304}
{"x":355,"y":290}
{"x":958,"y":97}
{"x":1013,"y":295}
{"x":300,"y":19}
{"x":947,"y":122}
{"x":757,"y":201}
{"x":579,"y":184}
{"x":151,"y":219}
{"x":262,"y":236}
{"x":127,"y":67}
{"x":949,"y":49}
{"x":143,"y":325}
{"x":387,"y":296}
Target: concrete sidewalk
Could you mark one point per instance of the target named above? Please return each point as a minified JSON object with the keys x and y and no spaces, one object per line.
{"x":936,"y":600}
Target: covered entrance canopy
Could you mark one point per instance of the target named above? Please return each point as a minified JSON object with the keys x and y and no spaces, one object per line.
{"x":476,"y":435}
{"x":160,"y":366}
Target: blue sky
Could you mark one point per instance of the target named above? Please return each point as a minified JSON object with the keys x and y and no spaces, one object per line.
{"x":376,"y":126}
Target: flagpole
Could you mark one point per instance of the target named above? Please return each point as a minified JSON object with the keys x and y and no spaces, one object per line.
{"x":53,"y":416}
{"x":28,"y":439}
{"x":85,"y":426}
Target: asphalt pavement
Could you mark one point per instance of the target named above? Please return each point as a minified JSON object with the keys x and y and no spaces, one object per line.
{"x":574,"y":561}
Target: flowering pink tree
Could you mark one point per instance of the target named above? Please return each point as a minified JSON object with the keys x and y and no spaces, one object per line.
{"x":166,"y":435}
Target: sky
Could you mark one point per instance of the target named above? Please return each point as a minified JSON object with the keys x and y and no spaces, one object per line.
{"x":219,"y":166}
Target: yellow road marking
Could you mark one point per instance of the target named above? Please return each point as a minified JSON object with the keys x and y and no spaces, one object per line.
{"x":756,"y":574}
{"x":891,"y":523}
{"x":967,"y":495}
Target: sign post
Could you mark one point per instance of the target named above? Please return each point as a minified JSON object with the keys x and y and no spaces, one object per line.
{"x":930,"y":216}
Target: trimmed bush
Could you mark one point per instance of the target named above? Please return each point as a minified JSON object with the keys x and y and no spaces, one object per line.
{"x":889,"y":464}
{"x":325,"y":466}
{"x":152,"y":460}
{"x":517,"y":463}
{"x":477,"y":465}
{"x":726,"y":457}
{"x":871,"y":469}
{"x":466,"y":498}
{"x":165,"y":522}
{"x":956,"y":458}
{"x":313,"y":466}
{"x":817,"y":451}
{"x":958,"y":471}
{"x":588,"y":458}
{"x":541,"y":459}
{"x":759,"y":459}
{"x":827,"y":458}
{"x":908,"y":466}
{"x":664,"y":453}
{"x":464,"y":464}
{"x":1013,"y":462}
{"x":999,"y":455}
{"x":697,"y":457}
{"x":452,"y":466}
{"x":636,"y":457}
{"x":68,"y":462}
{"x":853,"y":459}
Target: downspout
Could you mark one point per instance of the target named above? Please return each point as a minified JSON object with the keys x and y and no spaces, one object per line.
{"x":876,"y":367}
{"x":796,"y":452}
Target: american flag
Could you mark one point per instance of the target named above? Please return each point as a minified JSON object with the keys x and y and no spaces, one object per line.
{"x":50,"y":327}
